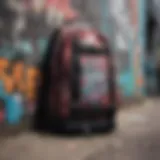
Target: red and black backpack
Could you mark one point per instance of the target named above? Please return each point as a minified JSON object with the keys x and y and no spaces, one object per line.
{"x":78,"y":82}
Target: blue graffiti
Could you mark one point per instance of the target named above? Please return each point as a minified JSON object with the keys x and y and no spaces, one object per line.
{"x":14,"y":109}
{"x":13,"y":105}
{"x":126,"y":82}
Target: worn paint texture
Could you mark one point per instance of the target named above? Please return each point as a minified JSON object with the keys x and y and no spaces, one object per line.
{"x":127,"y":25}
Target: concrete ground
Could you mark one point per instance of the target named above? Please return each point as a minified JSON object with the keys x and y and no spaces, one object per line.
{"x":137,"y":138}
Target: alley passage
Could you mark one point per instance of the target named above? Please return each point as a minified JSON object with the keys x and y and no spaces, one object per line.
{"x":136,"y":138}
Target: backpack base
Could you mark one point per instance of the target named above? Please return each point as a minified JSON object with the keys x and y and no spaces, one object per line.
{"x":86,"y":126}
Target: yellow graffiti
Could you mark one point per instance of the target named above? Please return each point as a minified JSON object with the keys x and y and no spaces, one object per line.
{"x":32,"y":75}
{"x":3,"y":67}
{"x":18,"y":71}
{"x":21,"y":78}
{"x":8,"y":84}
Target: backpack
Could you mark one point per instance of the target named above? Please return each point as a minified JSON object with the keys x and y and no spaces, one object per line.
{"x":78,"y":82}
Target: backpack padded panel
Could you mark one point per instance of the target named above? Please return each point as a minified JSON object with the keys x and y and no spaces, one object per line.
{"x":85,"y":60}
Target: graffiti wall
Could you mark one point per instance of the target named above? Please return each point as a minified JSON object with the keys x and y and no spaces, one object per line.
{"x":123,"y":22}
{"x":127,"y":25}
{"x":24,"y":29}
{"x":17,"y":87}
